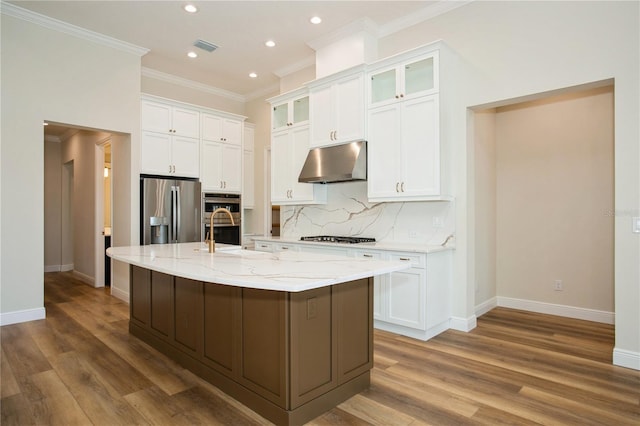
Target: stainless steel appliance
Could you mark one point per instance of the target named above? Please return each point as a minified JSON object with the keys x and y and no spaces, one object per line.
{"x":338,"y":163}
{"x":337,"y":239}
{"x":170,"y":210}
{"x":223,"y":230}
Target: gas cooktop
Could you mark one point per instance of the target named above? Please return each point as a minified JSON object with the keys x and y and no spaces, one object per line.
{"x":334,"y":239}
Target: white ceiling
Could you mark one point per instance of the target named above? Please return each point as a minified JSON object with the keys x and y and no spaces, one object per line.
{"x":239,"y":28}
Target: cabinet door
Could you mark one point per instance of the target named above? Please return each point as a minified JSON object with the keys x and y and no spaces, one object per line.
{"x":211,"y":171}
{"x":231,"y":168}
{"x":155,"y":117}
{"x":383,"y":86}
{"x":155,"y":153}
{"x":280,"y":116}
{"x":406,"y":298}
{"x":384,"y":151}
{"x":421,"y":147}
{"x":140,"y":306}
{"x":188,"y":314}
{"x":299,"y":111}
{"x":221,"y":310}
{"x":379,"y":285}
{"x":232,"y":131}
{"x":248,"y":185}
{"x":212,"y":128}
{"x":185,"y":156}
{"x":349,"y":109}
{"x":419,"y":77}
{"x":299,"y":150}
{"x":280,"y":167}
{"x":321,"y":116}
{"x":186,"y":122}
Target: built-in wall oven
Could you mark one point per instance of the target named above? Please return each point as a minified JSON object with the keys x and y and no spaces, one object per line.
{"x":223,"y":230}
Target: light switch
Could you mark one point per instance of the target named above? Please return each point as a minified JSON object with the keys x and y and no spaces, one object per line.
{"x":636,"y":225}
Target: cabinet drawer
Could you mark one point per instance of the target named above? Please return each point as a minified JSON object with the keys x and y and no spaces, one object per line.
{"x":285,"y":247}
{"x":374,"y":254}
{"x":417,"y":260}
{"x":262,"y":246}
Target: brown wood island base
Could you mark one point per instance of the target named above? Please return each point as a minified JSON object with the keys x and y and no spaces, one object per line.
{"x":289,"y":356}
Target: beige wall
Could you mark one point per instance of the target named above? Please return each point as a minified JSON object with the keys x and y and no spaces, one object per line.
{"x":510,"y":51}
{"x":53,"y":206}
{"x":554,"y":178}
{"x":63,"y":79}
{"x":189,"y":95}
{"x":484,"y":190}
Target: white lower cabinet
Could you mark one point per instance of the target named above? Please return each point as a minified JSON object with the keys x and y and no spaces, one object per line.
{"x":414,"y":302}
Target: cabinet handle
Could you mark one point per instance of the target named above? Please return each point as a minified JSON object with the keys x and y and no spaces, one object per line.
{"x":406,"y":259}
{"x":174,"y":168}
{"x":225,"y":184}
{"x":397,"y":184}
{"x":402,"y":95}
{"x":397,"y":97}
{"x":285,"y":248}
{"x":263,"y":246}
{"x":367,"y":255}
{"x":402,"y":187}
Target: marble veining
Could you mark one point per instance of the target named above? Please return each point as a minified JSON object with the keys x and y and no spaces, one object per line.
{"x":348,"y":213}
{"x":283,"y":271}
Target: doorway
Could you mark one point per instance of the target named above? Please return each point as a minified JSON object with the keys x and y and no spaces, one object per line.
{"x":79,"y":194}
{"x":543,"y":189}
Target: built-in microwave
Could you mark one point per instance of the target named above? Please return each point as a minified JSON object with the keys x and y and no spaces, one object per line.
{"x":223,"y":230}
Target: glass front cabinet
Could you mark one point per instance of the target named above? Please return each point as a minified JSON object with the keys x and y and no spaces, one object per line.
{"x":290,"y":113}
{"x":412,"y":78}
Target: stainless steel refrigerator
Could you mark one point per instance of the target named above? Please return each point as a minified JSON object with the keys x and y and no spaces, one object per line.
{"x":170,"y":210}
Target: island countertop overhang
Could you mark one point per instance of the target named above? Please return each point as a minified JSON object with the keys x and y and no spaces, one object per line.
{"x":283,"y":271}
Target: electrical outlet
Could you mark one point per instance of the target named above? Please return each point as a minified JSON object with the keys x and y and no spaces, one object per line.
{"x":557,"y":285}
{"x":413,"y":234}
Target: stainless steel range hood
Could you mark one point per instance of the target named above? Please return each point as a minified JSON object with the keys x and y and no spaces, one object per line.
{"x":338,"y":163}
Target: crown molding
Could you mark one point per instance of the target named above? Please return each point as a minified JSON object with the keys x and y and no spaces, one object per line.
{"x":64,"y":27}
{"x":261,"y":93}
{"x":429,"y":12}
{"x":295,"y":67}
{"x":180,"y":81}
{"x":361,"y":25}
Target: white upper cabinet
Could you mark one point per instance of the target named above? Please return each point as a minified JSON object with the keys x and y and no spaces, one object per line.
{"x":289,"y":149}
{"x":221,"y":153}
{"x":405,"y":154}
{"x":171,"y":119}
{"x":289,"y":113}
{"x":337,"y":108}
{"x":248,"y":184}
{"x":221,"y":129}
{"x":414,"y":77}
{"x":170,"y":143}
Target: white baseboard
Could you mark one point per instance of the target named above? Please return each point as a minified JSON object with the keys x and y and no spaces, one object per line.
{"x":486,"y":306}
{"x":85,"y":278}
{"x":463,"y":324}
{"x":628,"y":359}
{"x":58,"y":268}
{"x":119,"y":294}
{"x":559,"y":310}
{"x":16,"y":317}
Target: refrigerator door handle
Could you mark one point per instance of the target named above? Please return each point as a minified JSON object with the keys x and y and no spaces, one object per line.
{"x":174,"y":237}
{"x":178,"y":208}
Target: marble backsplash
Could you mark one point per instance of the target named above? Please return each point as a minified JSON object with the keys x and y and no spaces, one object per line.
{"x":348,"y":213}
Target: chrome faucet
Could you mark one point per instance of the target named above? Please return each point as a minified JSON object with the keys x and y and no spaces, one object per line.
{"x":212,"y":242}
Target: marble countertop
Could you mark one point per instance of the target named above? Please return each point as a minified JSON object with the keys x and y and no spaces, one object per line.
{"x":383,"y":246}
{"x":229,"y":265}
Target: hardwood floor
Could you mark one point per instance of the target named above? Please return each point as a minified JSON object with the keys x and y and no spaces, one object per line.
{"x":80,"y":366}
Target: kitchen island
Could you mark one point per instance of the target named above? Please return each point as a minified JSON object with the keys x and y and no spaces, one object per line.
{"x":290,"y":334}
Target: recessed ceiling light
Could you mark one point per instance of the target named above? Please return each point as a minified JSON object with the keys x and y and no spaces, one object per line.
{"x":270,"y":43}
{"x":192,"y":54}
{"x":190,"y":8}
{"x":315,"y":20}
{"x":253,"y":75}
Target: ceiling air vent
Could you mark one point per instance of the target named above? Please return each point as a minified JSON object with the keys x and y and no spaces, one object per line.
{"x":205,"y":45}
